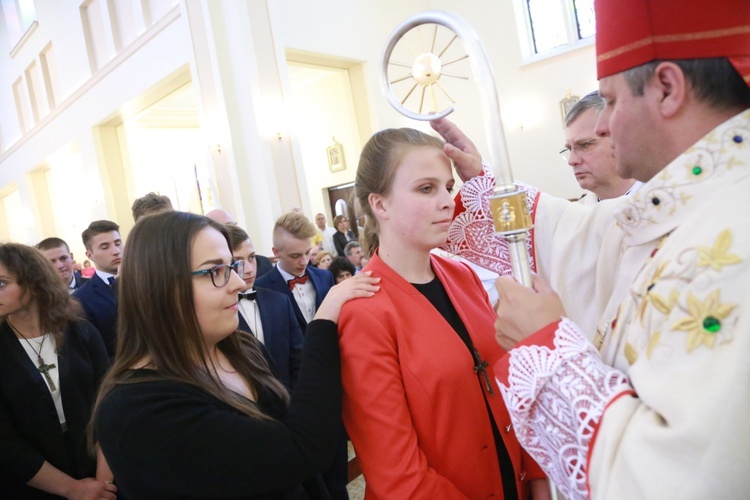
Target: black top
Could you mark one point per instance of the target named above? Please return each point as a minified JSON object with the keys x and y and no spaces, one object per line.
{"x":339,"y":242}
{"x":263,"y":265}
{"x":438,"y":297}
{"x":166,"y":439}
{"x":99,"y":301}
{"x":30,"y":430}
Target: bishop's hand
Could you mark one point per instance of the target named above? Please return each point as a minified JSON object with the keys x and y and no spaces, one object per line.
{"x":522,"y":311}
{"x":459,"y":148}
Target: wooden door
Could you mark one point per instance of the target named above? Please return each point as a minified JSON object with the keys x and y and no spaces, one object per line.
{"x":342,"y":203}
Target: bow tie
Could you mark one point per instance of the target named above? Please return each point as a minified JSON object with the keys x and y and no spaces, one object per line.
{"x":301,"y":280}
{"x":249,"y":295}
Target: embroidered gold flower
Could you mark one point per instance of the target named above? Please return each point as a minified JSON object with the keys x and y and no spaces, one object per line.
{"x":663,"y":305}
{"x":652,"y":343}
{"x":631,"y":354}
{"x":733,"y":162}
{"x":717,"y":256}
{"x":704,"y":322}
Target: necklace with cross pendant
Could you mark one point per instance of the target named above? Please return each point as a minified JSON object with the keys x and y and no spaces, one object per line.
{"x":480,"y":365}
{"x":44,"y":368}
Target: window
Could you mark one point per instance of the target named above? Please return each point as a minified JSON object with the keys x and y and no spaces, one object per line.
{"x":19,"y":18}
{"x":549,"y":27}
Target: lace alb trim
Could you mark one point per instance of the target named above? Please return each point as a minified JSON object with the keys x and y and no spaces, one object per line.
{"x":556,"y":398}
{"x":472,"y":234}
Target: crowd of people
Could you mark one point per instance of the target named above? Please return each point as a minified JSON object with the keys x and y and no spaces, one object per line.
{"x":186,"y":365}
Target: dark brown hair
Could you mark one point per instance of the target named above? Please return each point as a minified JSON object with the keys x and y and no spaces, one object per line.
{"x":36,"y":276}
{"x":97,"y":227}
{"x":713,"y":81}
{"x":237,"y":236}
{"x":156,"y":317}
{"x":337,"y":220}
{"x":377,"y":167}
{"x":149,"y":204}
{"x":52,"y":243}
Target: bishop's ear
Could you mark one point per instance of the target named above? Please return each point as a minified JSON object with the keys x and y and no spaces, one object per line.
{"x":671,"y":86}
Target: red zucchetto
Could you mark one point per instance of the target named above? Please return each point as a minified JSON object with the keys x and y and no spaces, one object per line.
{"x":633,"y":32}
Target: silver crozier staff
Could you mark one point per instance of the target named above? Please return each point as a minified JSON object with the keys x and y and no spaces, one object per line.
{"x":508,"y":204}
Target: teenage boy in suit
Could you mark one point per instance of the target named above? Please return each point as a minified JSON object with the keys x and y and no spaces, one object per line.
{"x":104,"y":247}
{"x":57,"y":251}
{"x":304,"y":285}
{"x":267,"y":314}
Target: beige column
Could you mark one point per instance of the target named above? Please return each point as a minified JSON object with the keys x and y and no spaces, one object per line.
{"x":236,"y":76}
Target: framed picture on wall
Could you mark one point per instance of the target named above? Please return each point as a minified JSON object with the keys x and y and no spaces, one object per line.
{"x":567,"y":104}
{"x":335,"y":153}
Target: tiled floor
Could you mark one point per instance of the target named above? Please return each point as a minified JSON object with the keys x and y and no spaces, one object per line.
{"x":356,"y":487}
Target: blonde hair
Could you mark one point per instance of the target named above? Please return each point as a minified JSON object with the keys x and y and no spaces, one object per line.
{"x":295,"y":224}
{"x":377,"y":168}
{"x":318,"y":258}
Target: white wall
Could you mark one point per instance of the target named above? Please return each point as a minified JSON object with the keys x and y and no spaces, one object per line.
{"x":323,"y":102}
{"x":531,"y":93}
{"x":338,"y":29}
{"x":87,"y":102}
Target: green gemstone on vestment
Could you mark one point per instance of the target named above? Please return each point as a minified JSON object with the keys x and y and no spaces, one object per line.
{"x":697,"y":170}
{"x":711,"y":324}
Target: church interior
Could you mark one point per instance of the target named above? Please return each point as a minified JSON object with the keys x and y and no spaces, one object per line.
{"x":256,"y":106}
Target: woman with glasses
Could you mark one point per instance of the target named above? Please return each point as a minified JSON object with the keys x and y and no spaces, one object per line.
{"x":190,"y":408}
{"x":51,"y":363}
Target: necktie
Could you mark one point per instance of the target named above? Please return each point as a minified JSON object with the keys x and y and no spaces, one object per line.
{"x":111,"y":280}
{"x":249,"y":295}
{"x":300,"y":279}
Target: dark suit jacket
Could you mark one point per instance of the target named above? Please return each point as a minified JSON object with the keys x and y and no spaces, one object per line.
{"x":79,"y":280}
{"x":30,"y":430}
{"x":321,"y":279}
{"x":100,"y":305}
{"x":281,"y":332}
{"x":339,"y":243}
{"x":263,"y":265}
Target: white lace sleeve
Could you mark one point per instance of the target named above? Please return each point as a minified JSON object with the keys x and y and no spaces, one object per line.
{"x":472,"y":234}
{"x":556,"y":398}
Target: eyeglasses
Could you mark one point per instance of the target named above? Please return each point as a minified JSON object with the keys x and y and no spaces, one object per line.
{"x":579,"y":148}
{"x":220,"y":274}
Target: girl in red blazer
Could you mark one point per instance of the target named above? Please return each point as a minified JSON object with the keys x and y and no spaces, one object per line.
{"x":425,"y":416}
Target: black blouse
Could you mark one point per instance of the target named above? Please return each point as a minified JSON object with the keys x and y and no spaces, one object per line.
{"x":339,"y":242}
{"x":166,"y":439}
{"x":438,"y":297}
{"x":30,"y":430}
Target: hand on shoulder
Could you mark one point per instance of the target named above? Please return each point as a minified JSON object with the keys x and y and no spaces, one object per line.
{"x":360,"y":286}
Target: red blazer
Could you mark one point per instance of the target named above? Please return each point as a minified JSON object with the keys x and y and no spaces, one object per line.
{"x":413,"y":405}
